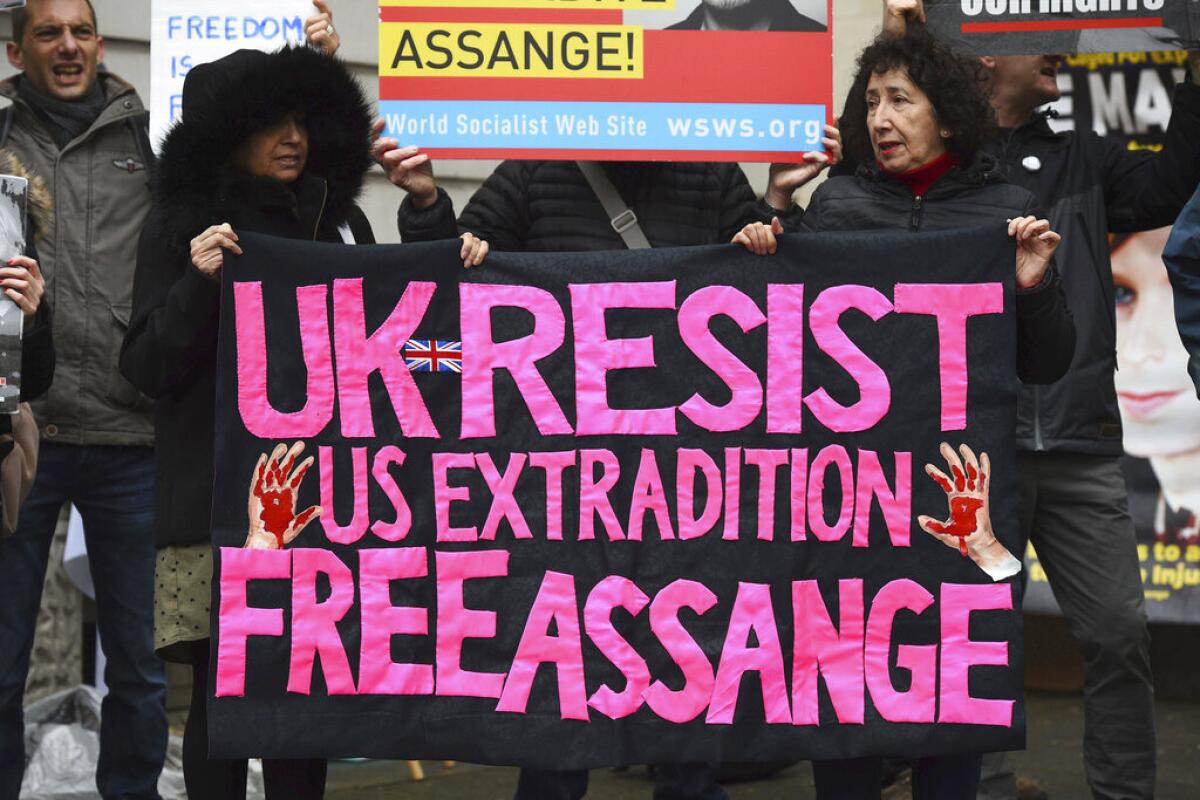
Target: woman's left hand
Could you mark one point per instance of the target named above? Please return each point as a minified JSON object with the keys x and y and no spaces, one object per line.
{"x":23,"y":283}
{"x":759,"y":238}
{"x":1036,"y":244}
{"x":319,"y":30}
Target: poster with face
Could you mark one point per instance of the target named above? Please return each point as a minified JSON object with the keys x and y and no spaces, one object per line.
{"x":1128,"y":95}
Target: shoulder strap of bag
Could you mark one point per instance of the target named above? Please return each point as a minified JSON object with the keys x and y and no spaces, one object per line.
{"x":621,"y":217}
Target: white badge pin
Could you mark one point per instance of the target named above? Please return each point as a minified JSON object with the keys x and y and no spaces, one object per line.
{"x":1031,"y":163}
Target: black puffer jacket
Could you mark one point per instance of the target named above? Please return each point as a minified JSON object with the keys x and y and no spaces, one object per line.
{"x":1090,"y":186}
{"x":548,"y":206}
{"x":170,"y":350}
{"x":964,"y":197}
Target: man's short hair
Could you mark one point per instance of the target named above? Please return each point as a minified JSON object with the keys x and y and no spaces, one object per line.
{"x":20,"y":18}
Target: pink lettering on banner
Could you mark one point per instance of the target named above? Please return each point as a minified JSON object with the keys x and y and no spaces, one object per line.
{"x":752,"y":613}
{"x":314,"y":624}
{"x":916,"y":704}
{"x":483,"y":356}
{"x":768,"y":463}
{"x":896,"y":506}
{"x":444,"y":494}
{"x":834,"y":653}
{"x":798,"y":492}
{"x":733,"y":493}
{"x":359,"y":356}
{"x":397,"y":530}
{"x":345,"y":534}
{"x":832,"y":456}
{"x":648,"y":495}
{"x":746,"y":392}
{"x":596,"y":355}
{"x":960,"y":653}
{"x":456,"y":623}
{"x":875,"y":395}
{"x":555,"y":603}
{"x":689,"y":464}
{"x":685,"y":704}
{"x":609,"y":594}
{"x":785,"y":358}
{"x":553,"y":463}
{"x":237,"y":621}
{"x":377,"y":673}
{"x":593,"y":494}
{"x":951,"y":304}
{"x":258,"y":415}
{"x":504,"y":505}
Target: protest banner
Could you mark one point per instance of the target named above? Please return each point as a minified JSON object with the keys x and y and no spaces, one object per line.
{"x":1019,"y":27}
{"x":553,"y":510}
{"x":1127,"y":96}
{"x":630,"y":80}
{"x":184,"y":33}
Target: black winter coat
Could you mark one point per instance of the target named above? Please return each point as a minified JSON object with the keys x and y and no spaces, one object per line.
{"x":548,"y":206}
{"x":1092,"y":185}
{"x":964,"y":197}
{"x":169,"y":352}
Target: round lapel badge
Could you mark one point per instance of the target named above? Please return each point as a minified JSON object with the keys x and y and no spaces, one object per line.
{"x":1031,"y":163}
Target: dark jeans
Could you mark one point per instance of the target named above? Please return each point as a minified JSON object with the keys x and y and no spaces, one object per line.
{"x":1075,"y":510}
{"x":113,"y":488}
{"x":671,"y":782}
{"x":938,"y":778}
{"x":225,"y":779}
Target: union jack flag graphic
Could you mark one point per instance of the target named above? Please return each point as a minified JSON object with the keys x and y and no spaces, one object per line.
{"x":432,"y":355}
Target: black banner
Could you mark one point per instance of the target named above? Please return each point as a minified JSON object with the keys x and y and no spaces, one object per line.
{"x":1017,"y":27}
{"x":572,"y":510}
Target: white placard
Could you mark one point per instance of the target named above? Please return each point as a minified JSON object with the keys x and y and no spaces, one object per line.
{"x":184,"y":33}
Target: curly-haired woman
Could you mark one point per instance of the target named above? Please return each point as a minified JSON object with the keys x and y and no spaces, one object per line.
{"x":916,"y":119}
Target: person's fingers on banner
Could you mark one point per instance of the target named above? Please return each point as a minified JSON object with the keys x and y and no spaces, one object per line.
{"x":206,"y":248}
{"x":474,"y":250}
{"x":1036,"y":245}
{"x":319,"y":30}
{"x":22,"y":282}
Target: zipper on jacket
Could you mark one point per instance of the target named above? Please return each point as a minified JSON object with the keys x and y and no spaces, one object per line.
{"x":1038,"y":444}
{"x":321,"y":213}
{"x":916,"y":213}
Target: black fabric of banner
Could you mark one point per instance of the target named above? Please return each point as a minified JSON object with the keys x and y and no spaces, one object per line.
{"x":268,"y":720}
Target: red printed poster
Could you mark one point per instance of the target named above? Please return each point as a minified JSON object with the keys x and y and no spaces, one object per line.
{"x":634,"y":80}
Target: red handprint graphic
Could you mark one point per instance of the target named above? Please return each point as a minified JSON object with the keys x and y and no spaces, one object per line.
{"x":969,"y":528}
{"x":274,"y":490}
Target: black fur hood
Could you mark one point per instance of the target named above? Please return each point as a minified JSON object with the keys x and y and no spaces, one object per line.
{"x":228,"y":100}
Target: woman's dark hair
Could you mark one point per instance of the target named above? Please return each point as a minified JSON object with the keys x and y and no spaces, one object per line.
{"x":954,"y":85}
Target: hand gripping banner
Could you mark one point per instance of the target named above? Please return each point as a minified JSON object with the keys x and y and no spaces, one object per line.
{"x":572,"y":510}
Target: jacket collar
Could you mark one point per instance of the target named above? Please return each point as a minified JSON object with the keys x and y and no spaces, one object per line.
{"x":981,"y":170}
{"x":121,"y":100}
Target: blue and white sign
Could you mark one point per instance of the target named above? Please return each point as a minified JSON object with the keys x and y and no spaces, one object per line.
{"x":185,"y":33}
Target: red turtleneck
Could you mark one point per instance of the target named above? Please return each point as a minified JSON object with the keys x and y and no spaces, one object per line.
{"x":920,"y":180}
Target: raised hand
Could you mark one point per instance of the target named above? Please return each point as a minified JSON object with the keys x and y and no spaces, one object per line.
{"x":274,"y":490}
{"x":1036,"y":244}
{"x":897,"y":14}
{"x":785,"y":179}
{"x":406,"y":167}
{"x":319,"y":30}
{"x":968,"y":528}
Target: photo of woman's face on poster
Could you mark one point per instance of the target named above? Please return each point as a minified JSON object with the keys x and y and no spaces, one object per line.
{"x":1160,"y":412}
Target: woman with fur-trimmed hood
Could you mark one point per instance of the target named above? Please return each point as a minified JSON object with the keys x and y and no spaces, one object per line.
{"x":274,"y":143}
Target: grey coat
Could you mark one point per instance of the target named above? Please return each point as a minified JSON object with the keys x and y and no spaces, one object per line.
{"x":99,"y":183}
